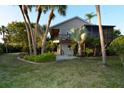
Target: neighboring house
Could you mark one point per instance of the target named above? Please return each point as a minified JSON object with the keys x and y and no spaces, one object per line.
{"x":60,"y":33}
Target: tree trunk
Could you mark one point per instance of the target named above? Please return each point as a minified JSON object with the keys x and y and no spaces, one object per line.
{"x":122,"y":58}
{"x":84,"y":48}
{"x":101,"y":35}
{"x":44,"y":38}
{"x":32,"y":35}
{"x":47,"y":30}
{"x":27,"y":30}
{"x":79,"y":48}
{"x":5,"y":43}
{"x":6,"y":47}
{"x":94,"y":51}
{"x":37,"y":22}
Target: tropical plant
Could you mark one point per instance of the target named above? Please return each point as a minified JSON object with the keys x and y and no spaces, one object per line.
{"x":50,"y":46}
{"x":117,"y":45}
{"x":62,"y":11}
{"x":101,"y":34}
{"x":89,"y":51}
{"x":79,"y":35}
{"x":94,"y":43}
{"x":89,"y":16}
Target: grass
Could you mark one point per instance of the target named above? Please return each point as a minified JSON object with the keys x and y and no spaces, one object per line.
{"x":84,"y":72}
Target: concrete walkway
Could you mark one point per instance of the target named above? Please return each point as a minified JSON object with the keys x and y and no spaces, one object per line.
{"x":64,"y":57}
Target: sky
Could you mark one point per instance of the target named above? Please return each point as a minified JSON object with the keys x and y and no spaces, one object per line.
{"x":110,"y":15}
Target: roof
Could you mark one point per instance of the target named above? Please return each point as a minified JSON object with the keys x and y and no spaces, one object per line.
{"x":84,"y":21}
{"x":76,"y":17}
{"x":102,"y":25}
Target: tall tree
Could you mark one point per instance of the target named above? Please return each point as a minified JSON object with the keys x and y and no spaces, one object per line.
{"x":17,"y":35}
{"x":25,"y":9}
{"x":101,"y":34}
{"x":3,"y":31}
{"x":62,"y":11}
{"x":89,"y":16}
{"x":27,"y":30}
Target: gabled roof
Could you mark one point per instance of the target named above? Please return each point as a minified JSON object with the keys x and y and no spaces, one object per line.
{"x":76,"y":17}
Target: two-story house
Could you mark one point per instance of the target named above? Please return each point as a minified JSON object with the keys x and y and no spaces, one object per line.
{"x":60,"y":33}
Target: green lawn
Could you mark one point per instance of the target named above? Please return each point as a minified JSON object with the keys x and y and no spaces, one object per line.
{"x":85,"y":72}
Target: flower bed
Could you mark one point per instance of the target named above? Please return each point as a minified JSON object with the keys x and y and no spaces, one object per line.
{"x":46,"y":57}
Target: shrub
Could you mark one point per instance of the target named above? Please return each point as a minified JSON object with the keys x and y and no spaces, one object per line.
{"x":110,"y":51}
{"x":89,"y":51}
{"x":14,"y":48}
{"x":22,"y":54}
{"x":46,"y":57}
{"x":117,"y":45}
{"x":1,"y":48}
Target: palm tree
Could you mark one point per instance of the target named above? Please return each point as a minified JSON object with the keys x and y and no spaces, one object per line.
{"x":62,"y":11}
{"x":101,"y":34}
{"x":79,"y":35}
{"x":40,"y":9}
{"x":27,"y":30}
{"x":25,"y":9}
{"x":3,"y":31}
{"x":89,"y":16}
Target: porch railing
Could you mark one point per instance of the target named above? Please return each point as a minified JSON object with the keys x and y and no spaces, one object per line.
{"x":64,"y":36}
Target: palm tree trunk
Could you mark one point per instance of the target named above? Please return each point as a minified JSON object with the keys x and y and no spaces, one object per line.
{"x":44,"y":38}
{"x":79,"y":48}
{"x":6,"y":48}
{"x":94,"y":51}
{"x":39,"y":15}
{"x":84,"y":47}
{"x":47,"y":30}
{"x":27,"y":30}
{"x":32,"y":35}
{"x":37,"y":22}
{"x":101,"y":35}
{"x":122,"y":58}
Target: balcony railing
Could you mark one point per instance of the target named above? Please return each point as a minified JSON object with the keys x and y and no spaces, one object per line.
{"x":65,"y":36}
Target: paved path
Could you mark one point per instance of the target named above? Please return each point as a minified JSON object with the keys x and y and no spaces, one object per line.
{"x":64,"y":57}
{"x":10,"y":59}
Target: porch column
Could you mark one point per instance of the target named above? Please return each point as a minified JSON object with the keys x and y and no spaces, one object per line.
{"x":60,"y":46}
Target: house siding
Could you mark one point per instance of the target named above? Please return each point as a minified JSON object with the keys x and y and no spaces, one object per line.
{"x":66,"y":27}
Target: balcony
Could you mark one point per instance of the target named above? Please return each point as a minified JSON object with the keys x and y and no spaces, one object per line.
{"x":66,"y":36}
